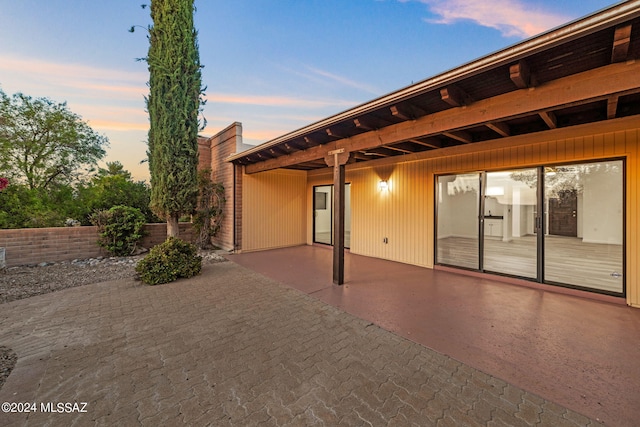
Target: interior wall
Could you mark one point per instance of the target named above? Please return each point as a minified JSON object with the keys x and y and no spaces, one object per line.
{"x":601,"y":208}
{"x":323,"y":216}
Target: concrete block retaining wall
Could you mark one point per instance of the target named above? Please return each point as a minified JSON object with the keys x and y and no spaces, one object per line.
{"x":35,"y":245}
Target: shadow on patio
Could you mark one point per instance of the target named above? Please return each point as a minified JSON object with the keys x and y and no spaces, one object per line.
{"x":577,"y":352}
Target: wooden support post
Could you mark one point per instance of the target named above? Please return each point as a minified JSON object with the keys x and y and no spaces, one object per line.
{"x":338,"y":159}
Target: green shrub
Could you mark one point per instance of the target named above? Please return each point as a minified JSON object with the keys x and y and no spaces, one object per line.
{"x":120,"y":229}
{"x":169,"y":261}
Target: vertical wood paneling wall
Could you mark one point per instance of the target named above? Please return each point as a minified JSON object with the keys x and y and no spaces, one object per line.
{"x":405,"y":213}
{"x":278,"y":207}
{"x":274,"y":210}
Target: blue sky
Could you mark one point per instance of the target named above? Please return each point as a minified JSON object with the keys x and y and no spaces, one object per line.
{"x":273,"y":65}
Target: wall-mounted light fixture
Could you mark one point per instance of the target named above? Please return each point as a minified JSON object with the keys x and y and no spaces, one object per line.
{"x":383,"y":185}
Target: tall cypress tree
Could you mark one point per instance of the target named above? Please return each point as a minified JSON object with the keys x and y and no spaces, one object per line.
{"x":173,"y":105}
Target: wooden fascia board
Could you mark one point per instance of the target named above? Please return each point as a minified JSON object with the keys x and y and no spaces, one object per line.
{"x":593,"y":85}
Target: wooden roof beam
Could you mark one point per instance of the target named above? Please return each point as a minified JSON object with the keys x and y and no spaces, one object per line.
{"x":363,"y":124}
{"x":401,"y":113}
{"x":332,"y":134}
{"x":431,"y":143}
{"x":500,"y":128}
{"x":374,"y":153}
{"x":460,"y":135}
{"x":586,"y":87}
{"x":292,"y":146}
{"x":612,"y":107}
{"x":359,"y":155}
{"x":621,"y":43}
{"x":549,"y":118}
{"x":402,"y":150}
{"x":520,"y":75}
{"x":455,"y":96}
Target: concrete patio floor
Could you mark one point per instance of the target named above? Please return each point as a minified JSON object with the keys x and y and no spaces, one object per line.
{"x":233,"y":347}
{"x":580,"y":353}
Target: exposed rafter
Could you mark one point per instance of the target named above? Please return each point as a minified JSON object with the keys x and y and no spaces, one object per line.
{"x":621,"y":79}
{"x":459,"y":135}
{"x":333,"y":134}
{"x":621,"y":42}
{"x":500,"y":128}
{"x":275,"y":151}
{"x":362,"y":124}
{"x":520,"y":75}
{"x":359,"y":155}
{"x":402,"y":150}
{"x":430,"y":142}
{"x":591,"y":37}
{"x":374,"y":153}
{"x":401,"y":113}
{"x":550,"y":119}
{"x":455,"y":96}
{"x":612,"y":107}
{"x":292,"y":146}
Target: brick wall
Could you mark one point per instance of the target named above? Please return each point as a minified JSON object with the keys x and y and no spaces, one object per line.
{"x":157,"y":233}
{"x":226,"y":142}
{"x":36,"y":245}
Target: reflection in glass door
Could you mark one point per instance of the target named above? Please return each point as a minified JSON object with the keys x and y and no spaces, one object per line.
{"x":510,"y":245}
{"x":457,"y":232}
{"x":323,"y":215}
{"x":561,"y":224}
{"x":584,"y":214}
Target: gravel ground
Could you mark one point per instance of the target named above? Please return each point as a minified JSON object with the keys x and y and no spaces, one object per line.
{"x":27,"y":281}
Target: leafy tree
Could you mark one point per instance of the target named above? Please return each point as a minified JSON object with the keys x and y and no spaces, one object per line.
{"x":207,"y":219}
{"x":114,"y":169}
{"x":24,"y":207}
{"x":173,"y":104}
{"x":113,"y":186}
{"x":120,"y":228}
{"x":43,"y":143}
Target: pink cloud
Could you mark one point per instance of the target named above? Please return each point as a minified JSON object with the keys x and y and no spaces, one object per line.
{"x":513,"y":18}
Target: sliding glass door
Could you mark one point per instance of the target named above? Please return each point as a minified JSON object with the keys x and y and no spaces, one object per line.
{"x":458,"y":227}
{"x":585,"y":225}
{"x":558,"y":224}
{"x":510,"y":244}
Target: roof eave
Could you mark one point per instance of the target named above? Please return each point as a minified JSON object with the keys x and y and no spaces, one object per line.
{"x":605,"y":18}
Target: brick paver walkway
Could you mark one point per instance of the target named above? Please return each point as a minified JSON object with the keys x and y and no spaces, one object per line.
{"x":231,"y":347}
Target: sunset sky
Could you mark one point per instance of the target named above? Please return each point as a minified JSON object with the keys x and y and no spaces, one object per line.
{"x":273,"y":65}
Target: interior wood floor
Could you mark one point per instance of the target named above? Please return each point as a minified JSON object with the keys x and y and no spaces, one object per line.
{"x":568,"y":260}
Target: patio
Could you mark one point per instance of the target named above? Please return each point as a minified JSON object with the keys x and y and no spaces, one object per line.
{"x":577,"y":352}
{"x":233,"y":347}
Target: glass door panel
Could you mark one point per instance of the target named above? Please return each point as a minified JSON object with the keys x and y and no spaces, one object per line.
{"x":510,"y":243}
{"x":584,"y":205}
{"x":323,"y":214}
{"x":457,"y":232}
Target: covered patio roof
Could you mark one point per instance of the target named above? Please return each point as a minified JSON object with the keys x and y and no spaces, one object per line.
{"x":553,"y":80}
